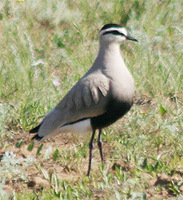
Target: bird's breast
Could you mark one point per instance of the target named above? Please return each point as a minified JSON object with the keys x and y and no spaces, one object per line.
{"x":122,"y":85}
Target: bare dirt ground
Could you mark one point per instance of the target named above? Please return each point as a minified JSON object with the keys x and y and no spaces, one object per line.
{"x":36,"y":181}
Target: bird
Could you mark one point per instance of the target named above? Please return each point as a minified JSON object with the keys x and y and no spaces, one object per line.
{"x":101,"y":96}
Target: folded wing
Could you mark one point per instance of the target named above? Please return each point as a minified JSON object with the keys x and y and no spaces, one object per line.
{"x":88,"y":98}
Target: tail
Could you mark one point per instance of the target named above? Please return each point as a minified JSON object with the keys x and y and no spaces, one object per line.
{"x":37,"y":138}
{"x":35,"y":130}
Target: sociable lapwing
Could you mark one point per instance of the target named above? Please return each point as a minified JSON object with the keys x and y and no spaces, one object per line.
{"x":102,"y":96}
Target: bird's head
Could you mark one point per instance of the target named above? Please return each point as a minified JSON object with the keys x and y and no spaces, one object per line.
{"x":114,"y":33}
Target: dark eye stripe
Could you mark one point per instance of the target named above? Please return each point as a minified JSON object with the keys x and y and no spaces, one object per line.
{"x":113,"y":32}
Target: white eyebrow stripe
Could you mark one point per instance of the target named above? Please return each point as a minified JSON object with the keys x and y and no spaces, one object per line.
{"x":121,"y":30}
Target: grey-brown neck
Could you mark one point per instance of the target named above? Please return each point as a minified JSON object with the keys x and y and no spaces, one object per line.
{"x":108,"y":50}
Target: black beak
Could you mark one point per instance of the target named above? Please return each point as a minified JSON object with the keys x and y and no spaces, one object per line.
{"x":128,"y":37}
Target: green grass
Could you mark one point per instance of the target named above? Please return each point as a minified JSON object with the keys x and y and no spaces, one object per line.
{"x":43,"y":41}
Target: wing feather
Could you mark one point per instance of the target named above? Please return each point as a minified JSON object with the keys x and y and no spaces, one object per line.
{"x":77,"y":98}
{"x":88,"y":98}
{"x":95,"y":93}
{"x":87,"y":91}
{"x":103,"y":87}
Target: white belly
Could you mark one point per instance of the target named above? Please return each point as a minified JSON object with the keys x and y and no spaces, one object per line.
{"x":80,"y":127}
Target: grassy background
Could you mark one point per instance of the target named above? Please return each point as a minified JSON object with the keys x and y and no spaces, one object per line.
{"x":44,"y":42}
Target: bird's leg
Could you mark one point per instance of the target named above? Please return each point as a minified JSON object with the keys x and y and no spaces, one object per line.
{"x":90,"y":152}
{"x":100,"y":145}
